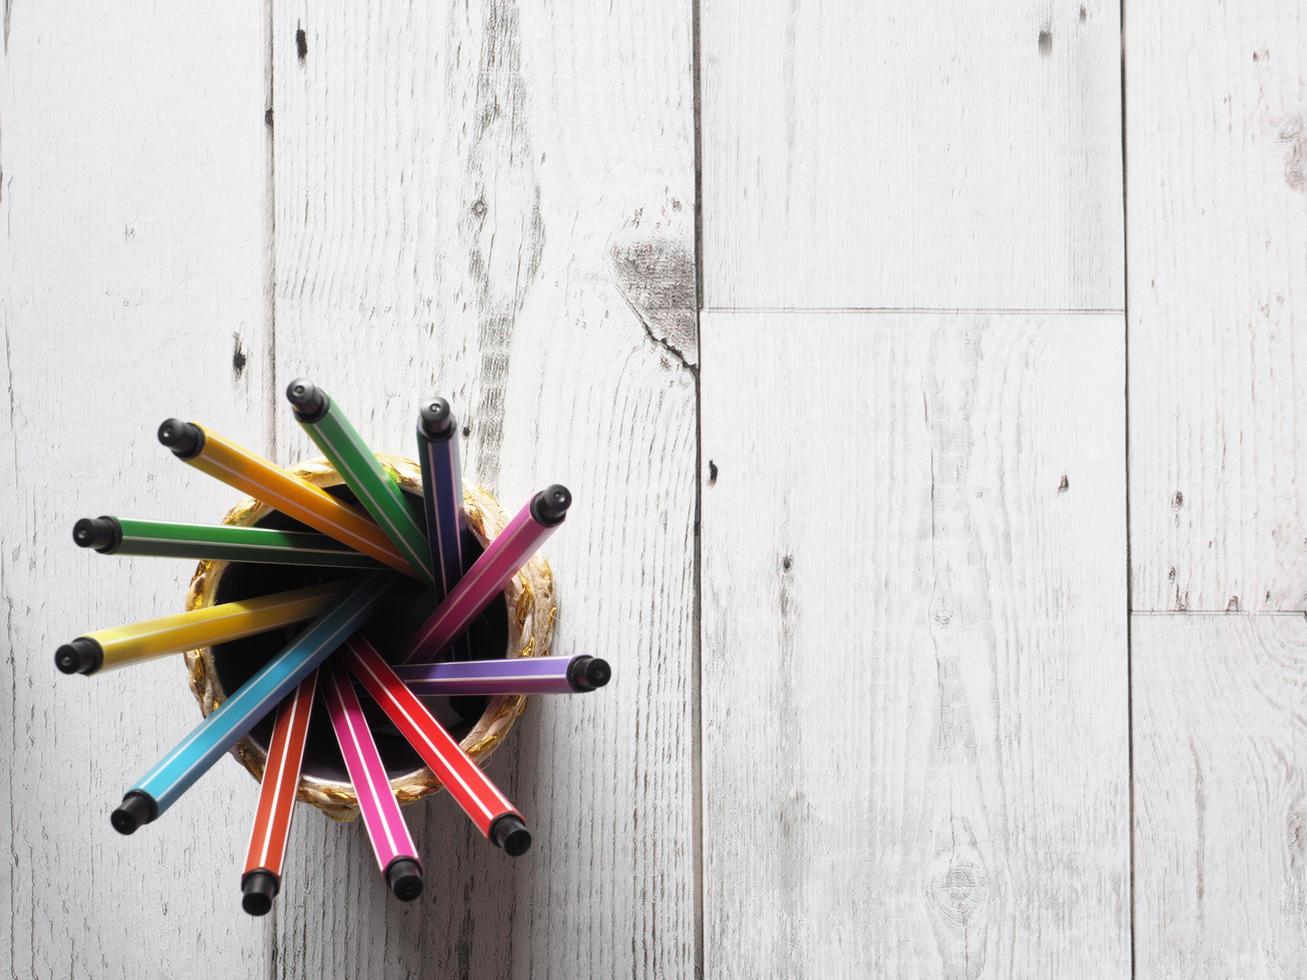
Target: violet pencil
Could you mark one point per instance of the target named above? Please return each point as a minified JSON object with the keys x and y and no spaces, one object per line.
{"x":516,"y":675}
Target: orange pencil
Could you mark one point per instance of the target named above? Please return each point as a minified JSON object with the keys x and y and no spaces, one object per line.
{"x":294,"y":496}
{"x":281,"y":776}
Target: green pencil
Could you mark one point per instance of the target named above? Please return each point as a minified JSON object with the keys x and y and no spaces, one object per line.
{"x":375,"y":489}
{"x":164,"y":539}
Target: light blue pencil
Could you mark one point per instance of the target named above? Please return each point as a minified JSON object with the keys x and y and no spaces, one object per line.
{"x":217,"y":733}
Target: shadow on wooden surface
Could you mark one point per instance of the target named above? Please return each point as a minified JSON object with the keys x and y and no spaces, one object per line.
{"x":463,"y":924}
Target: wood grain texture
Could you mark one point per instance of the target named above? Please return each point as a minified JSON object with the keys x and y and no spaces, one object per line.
{"x":1217,"y":229}
{"x":914,"y":653}
{"x":132,"y":215}
{"x":1220,"y":795}
{"x":933,"y":155}
{"x":495,"y":202}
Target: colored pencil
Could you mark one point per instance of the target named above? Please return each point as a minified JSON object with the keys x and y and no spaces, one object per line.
{"x":294,"y":496}
{"x":442,"y":499}
{"x":226,"y":724}
{"x":121,"y":645}
{"x":215,"y":542}
{"x":493,"y":815}
{"x":516,"y":675}
{"x":391,"y":842}
{"x":261,"y":879}
{"x":375,"y":489}
{"x":489,"y":574}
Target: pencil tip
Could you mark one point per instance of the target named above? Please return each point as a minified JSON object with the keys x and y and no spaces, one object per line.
{"x":509,"y":833}
{"x":598,"y":673}
{"x":549,"y":506}
{"x":80,"y":656}
{"x":99,"y":533}
{"x":135,"y":809}
{"x":309,"y":400}
{"x":185,"y":439}
{"x":587,"y":673}
{"x":404,"y":876}
{"x":258,"y":889}
{"x":436,"y":418}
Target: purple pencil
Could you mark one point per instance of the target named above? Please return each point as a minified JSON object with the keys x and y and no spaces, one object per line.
{"x":518,"y":675}
{"x":396,"y":853}
{"x":489,"y":573}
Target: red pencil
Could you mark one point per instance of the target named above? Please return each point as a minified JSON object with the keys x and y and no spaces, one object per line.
{"x":281,"y":776}
{"x":494,"y":816}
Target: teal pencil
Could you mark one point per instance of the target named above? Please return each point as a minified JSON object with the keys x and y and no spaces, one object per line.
{"x":375,"y":489}
{"x":229,"y":722}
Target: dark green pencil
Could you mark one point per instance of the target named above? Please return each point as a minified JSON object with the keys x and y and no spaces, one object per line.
{"x":163,"y":539}
{"x":376,"y":490}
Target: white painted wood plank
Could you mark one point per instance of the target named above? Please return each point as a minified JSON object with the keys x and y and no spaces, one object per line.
{"x":914,"y":654}
{"x":132,"y":216}
{"x":930,"y":155}
{"x":496,"y":202}
{"x":1220,"y":795}
{"x":1218,"y":333}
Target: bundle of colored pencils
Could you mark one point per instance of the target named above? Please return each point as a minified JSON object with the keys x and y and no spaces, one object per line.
{"x":382,"y":541}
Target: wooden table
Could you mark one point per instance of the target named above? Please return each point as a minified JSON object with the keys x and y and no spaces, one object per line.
{"x":931,"y":387}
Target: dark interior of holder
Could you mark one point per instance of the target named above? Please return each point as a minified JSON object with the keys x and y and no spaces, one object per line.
{"x":396,"y":618}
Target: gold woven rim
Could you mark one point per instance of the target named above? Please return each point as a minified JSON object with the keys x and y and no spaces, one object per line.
{"x":532,"y":614}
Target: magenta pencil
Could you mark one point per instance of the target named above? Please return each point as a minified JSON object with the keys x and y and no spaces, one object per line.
{"x":396,"y":853}
{"x":489,"y":574}
{"x":471,"y":788}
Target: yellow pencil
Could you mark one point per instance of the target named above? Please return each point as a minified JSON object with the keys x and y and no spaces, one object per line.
{"x":122,"y":645}
{"x":293,"y":496}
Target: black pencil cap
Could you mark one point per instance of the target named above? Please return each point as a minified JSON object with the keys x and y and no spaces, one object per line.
{"x":549,"y":506}
{"x":436,"y":419}
{"x":309,"y":400}
{"x":101,"y":533}
{"x":82,"y":656}
{"x":136,"y":808}
{"x":258,"y":889}
{"x":509,"y":833}
{"x":588,"y":673}
{"x":404,"y":876}
{"x":185,"y":439}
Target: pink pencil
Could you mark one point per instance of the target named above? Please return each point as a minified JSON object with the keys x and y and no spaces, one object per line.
{"x":396,"y":853}
{"x":489,"y":574}
{"x":467,"y":784}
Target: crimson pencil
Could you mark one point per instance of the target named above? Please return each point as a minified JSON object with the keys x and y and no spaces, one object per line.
{"x":480,"y":799}
{"x":281,"y":775}
{"x":489,"y":573}
{"x":391,"y":841}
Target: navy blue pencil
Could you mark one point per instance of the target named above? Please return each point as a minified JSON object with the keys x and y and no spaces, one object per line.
{"x":442,"y":498}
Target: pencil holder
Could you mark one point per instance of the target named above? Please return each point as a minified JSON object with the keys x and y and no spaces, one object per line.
{"x":519,"y":624}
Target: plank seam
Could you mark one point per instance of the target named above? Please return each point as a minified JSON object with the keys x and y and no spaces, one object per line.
{"x":273,"y":929}
{"x":696,"y":96}
{"x":696,"y":636}
{"x":933,"y":311}
{"x":1129,"y":557}
{"x":270,"y":286}
{"x":1156,"y":613}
